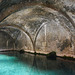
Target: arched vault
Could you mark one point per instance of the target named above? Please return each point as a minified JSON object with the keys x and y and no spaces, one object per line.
{"x":37,"y":18}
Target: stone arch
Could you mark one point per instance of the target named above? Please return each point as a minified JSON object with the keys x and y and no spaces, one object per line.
{"x":20,"y":28}
{"x":12,"y":10}
{"x":35,"y":38}
{"x":6,"y":33}
{"x":38,"y":31}
{"x":60,"y":11}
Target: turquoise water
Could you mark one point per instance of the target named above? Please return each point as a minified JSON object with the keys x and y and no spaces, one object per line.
{"x":28,"y":64}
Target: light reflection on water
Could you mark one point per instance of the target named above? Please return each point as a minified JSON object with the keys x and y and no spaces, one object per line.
{"x":28,"y":64}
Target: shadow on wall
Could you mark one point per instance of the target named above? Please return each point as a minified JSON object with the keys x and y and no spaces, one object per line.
{"x":6,"y":41}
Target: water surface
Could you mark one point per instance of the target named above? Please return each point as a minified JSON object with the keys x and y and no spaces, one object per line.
{"x":28,"y":64}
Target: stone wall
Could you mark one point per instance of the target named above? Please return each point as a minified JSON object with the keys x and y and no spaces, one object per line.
{"x":44,"y":25}
{"x":6,"y":41}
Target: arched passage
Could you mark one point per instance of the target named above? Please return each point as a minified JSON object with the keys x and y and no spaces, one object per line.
{"x":35,"y":37}
{"x":18,"y":27}
{"x":34,"y":41}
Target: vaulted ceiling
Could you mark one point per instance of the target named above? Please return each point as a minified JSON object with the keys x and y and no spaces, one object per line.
{"x":30,"y":15}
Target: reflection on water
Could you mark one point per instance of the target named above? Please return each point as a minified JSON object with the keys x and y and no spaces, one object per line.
{"x":28,"y":64}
